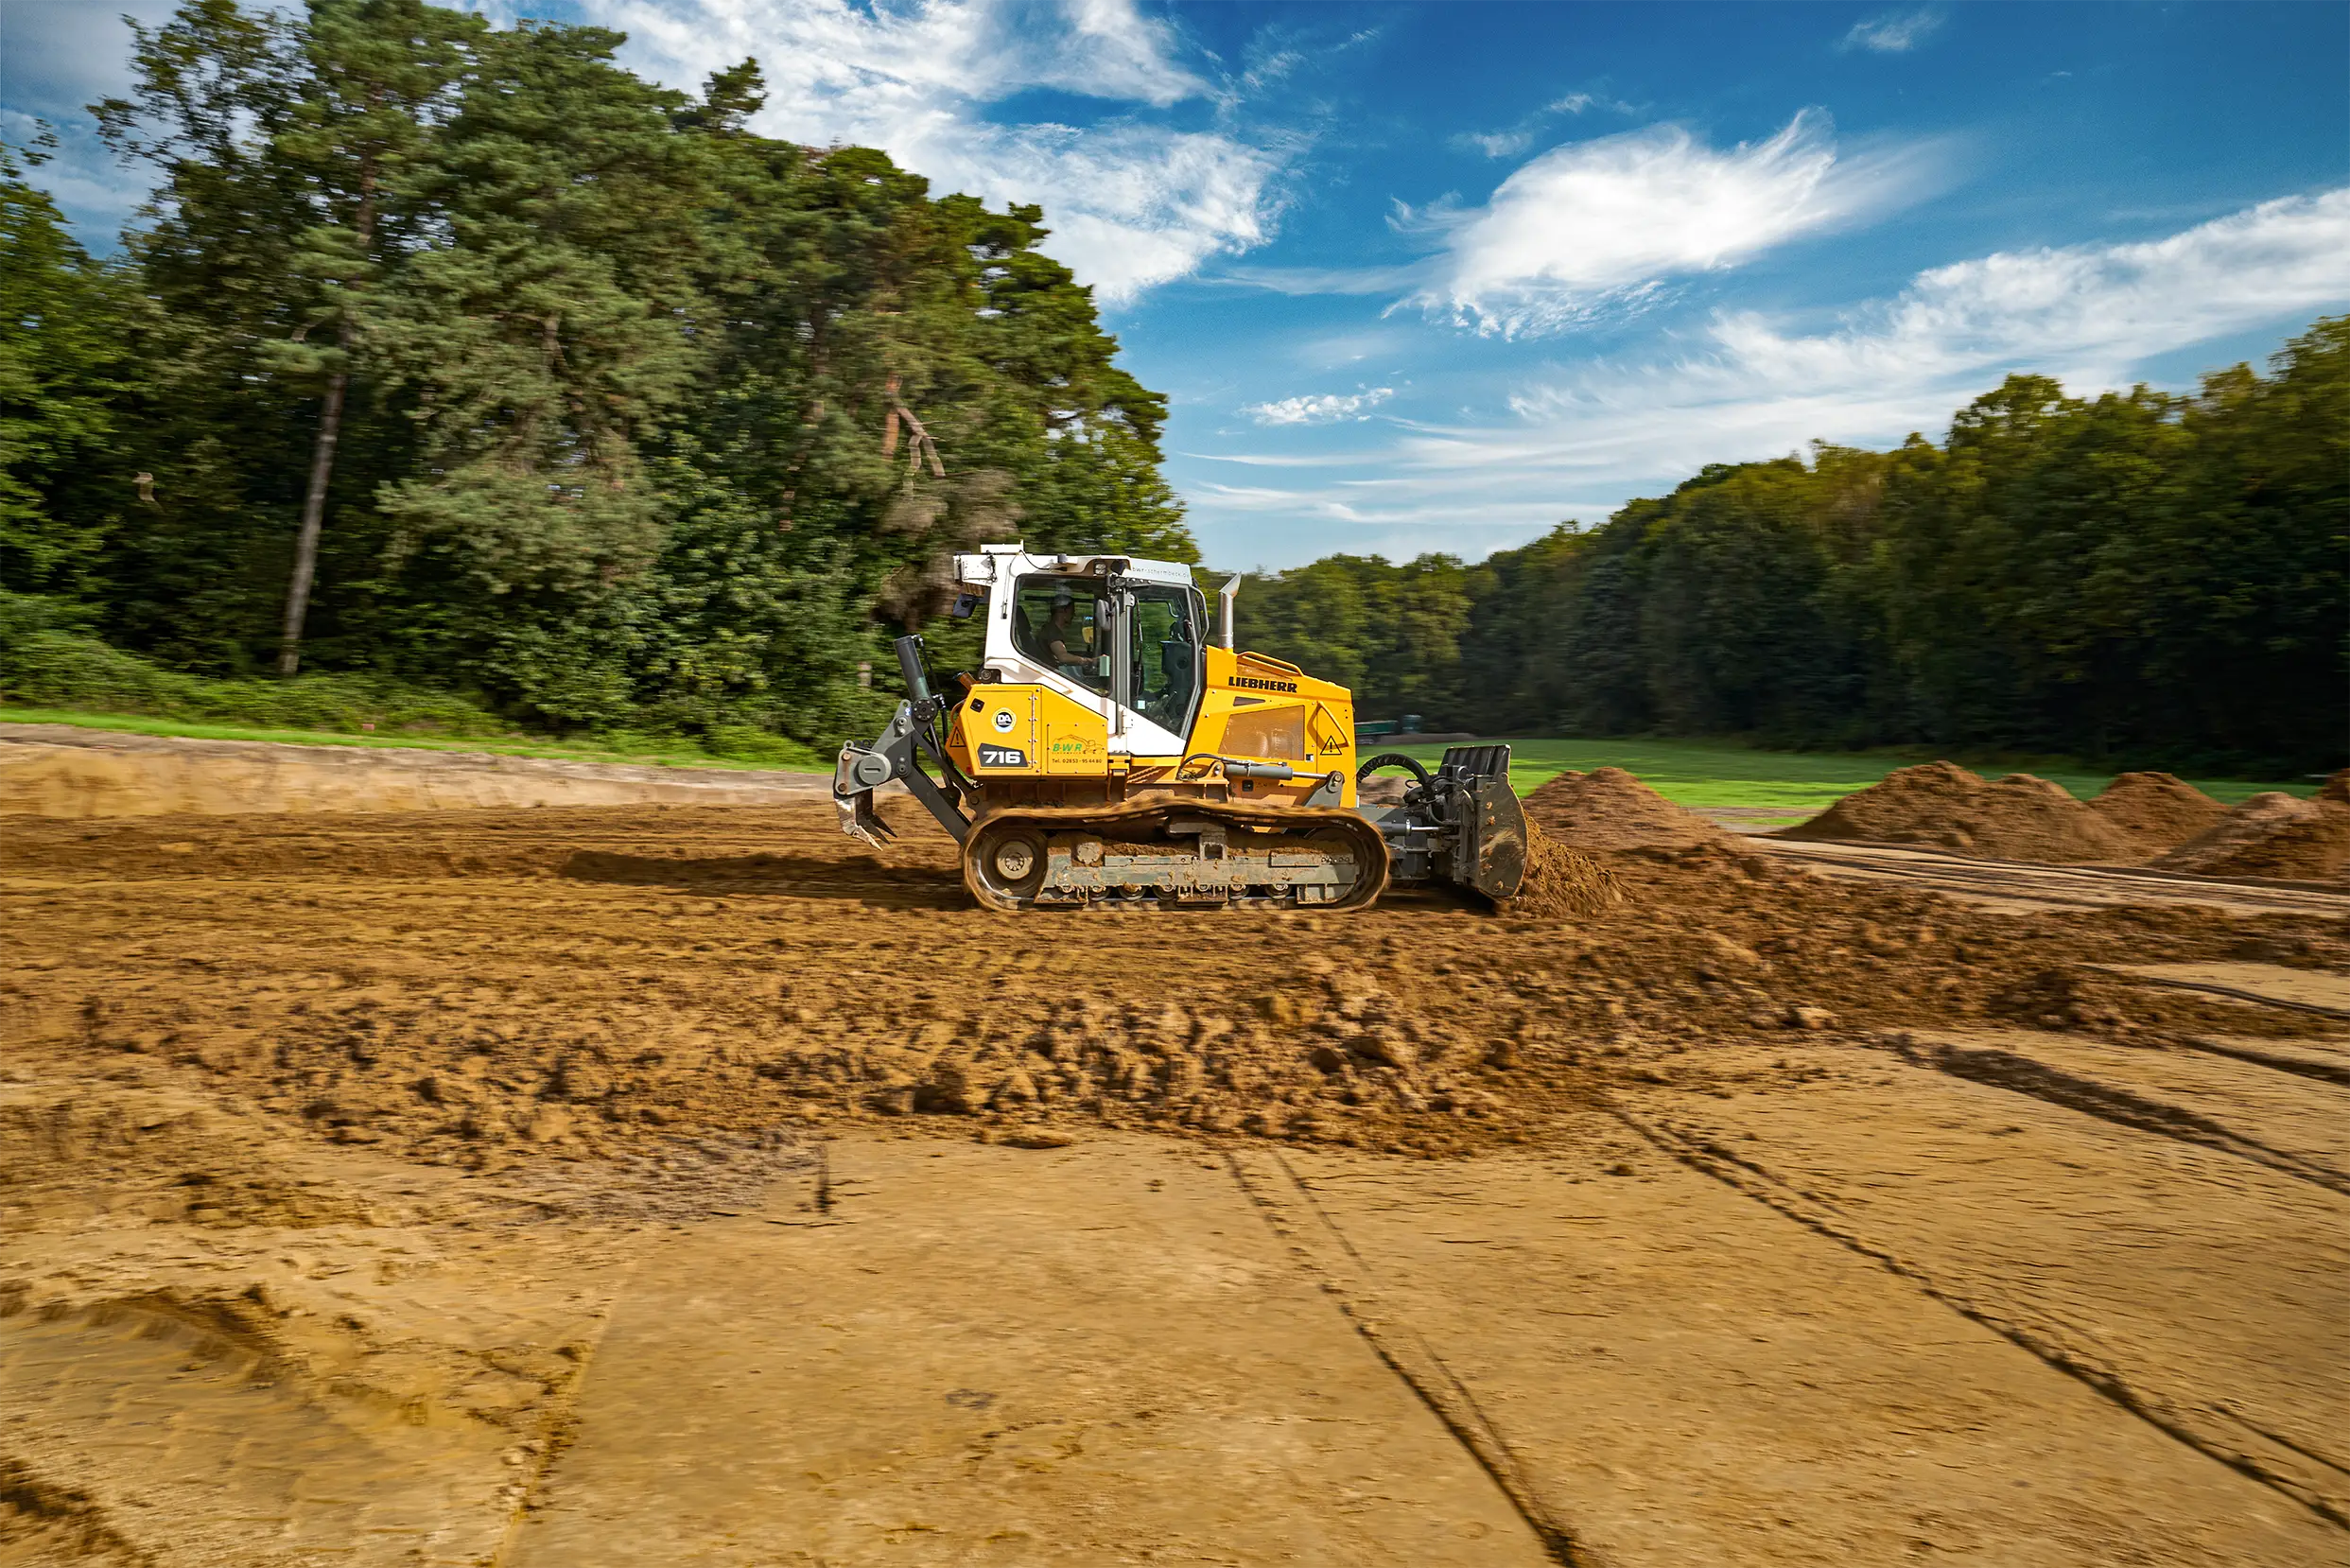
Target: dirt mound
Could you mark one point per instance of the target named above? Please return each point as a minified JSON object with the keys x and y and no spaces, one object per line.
{"x":1941,"y":804}
{"x":1560,"y":883}
{"x":2274,"y":835}
{"x":1608,"y":809}
{"x":2157,"y":811}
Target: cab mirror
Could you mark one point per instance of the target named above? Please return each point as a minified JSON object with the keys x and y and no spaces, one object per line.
{"x":965,"y":605}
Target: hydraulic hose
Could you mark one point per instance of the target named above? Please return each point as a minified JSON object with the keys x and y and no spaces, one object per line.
{"x":1391,"y":759}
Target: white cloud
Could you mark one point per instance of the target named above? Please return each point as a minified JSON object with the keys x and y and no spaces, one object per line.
{"x":1132,"y":201}
{"x":1325,"y":409}
{"x":2086,"y":314}
{"x":1753,"y":386}
{"x":1602,"y":224}
{"x":1510,"y":143}
{"x":1895,"y":32}
{"x":56,"y":56}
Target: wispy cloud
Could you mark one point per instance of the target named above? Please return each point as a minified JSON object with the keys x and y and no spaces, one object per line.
{"x":2086,"y":313}
{"x":1323,"y":408}
{"x":1895,"y":32}
{"x":1751,"y":386}
{"x":1510,"y":143}
{"x":1602,"y":224}
{"x":1324,"y":280}
{"x":1133,"y":201}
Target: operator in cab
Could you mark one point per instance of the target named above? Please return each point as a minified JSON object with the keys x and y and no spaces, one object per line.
{"x":1061,"y":631}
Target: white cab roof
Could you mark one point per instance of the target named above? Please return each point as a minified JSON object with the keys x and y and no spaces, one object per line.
{"x":1004,"y":563}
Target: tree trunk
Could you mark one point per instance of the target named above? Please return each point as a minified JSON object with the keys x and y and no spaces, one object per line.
{"x":313,"y":520}
{"x":322,"y":456}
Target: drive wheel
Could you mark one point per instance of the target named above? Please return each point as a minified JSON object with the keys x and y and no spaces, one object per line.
{"x":1004,"y":866}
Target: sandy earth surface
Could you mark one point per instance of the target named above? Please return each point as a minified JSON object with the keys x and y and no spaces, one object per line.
{"x":692,"y":1186}
{"x":64,"y":770}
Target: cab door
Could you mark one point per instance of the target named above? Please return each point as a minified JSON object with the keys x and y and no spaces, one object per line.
{"x":1157,"y":668}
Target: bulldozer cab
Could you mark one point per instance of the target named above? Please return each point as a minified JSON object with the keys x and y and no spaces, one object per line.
{"x":1121,"y":637}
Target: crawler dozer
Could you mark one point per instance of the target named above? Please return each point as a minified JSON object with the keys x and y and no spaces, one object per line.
{"x":1107,"y":753}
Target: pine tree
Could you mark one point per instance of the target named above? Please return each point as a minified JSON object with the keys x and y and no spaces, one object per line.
{"x":374,"y":74}
{"x":61,"y":321}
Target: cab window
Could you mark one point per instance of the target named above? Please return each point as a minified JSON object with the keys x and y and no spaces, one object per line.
{"x":1055,"y":622}
{"x":1165,"y":655}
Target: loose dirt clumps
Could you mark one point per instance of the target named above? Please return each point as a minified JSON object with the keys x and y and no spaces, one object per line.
{"x":494,"y":990}
{"x":2276,"y":835}
{"x":2156,"y":810}
{"x":1608,"y":809}
{"x":1941,"y":804}
{"x":1559,"y":883}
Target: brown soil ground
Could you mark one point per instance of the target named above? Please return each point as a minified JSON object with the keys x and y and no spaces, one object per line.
{"x":1608,"y":809}
{"x":2155,"y":810}
{"x":570,"y":1186}
{"x":2274,"y":835}
{"x":2019,"y":887}
{"x":62,"y":770}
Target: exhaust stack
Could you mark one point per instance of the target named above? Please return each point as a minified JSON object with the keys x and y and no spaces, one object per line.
{"x":1224,"y":616}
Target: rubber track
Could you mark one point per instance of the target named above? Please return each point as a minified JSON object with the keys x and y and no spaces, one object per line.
{"x":1147,"y":819}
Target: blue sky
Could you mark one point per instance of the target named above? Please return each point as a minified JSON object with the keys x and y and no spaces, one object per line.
{"x":1440,"y":277}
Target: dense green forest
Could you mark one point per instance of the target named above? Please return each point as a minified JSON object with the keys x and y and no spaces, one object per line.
{"x":2137,"y":577}
{"x":455,"y":378}
{"x":456,"y":358}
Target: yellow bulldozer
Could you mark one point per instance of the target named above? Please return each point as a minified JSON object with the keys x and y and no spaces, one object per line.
{"x":1107,"y":753}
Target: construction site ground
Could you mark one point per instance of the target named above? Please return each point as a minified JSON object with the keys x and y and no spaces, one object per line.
{"x":576,"y":1187}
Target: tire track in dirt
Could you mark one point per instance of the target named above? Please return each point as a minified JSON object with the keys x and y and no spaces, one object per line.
{"x":1290,"y":1210}
{"x":2022,"y":1074}
{"x":2327,"y":1498}
{"x":36,"y":1514}
{"x":2234,"y":993}
{"x":2027,"y":882}
{"x":559,"y":1427}
{"x":2304,"y":1066}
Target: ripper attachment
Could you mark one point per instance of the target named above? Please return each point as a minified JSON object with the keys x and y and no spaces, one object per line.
{"x":917,"y":730}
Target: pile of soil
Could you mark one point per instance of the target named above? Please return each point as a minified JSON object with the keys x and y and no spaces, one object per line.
{"x":2276,"y":835}
{"x":1559,"y":883}
{"x":2157,"y":811}
{"x":1608,"y":809}
{"x":1942,"y":804}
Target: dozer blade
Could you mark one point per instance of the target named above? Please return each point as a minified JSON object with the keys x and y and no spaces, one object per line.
{"x":855,"y":802}
{"x":1490,"y":853}
{"x":1493,"y":842}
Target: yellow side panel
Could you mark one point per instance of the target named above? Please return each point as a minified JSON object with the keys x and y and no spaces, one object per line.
{"x":1276,"y":732}
{"x":1260,"y":707}
{"x":1074,"y":737}
{"x":1028,"y":731}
